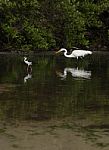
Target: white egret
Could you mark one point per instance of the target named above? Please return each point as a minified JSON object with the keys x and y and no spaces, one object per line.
{"x":75,"y":53}
{"x":27,"y":62}
{"x":75,"y":72}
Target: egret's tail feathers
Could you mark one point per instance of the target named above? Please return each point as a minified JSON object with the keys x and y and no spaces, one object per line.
{"x":30,"y":63}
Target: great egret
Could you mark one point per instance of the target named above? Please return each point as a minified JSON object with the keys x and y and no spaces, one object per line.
{"x":27,"y":62}
{"x":76,"y":73}
{"x":75,"y":53}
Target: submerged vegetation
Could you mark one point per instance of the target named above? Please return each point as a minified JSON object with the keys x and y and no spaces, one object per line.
{"x":48,"y":24}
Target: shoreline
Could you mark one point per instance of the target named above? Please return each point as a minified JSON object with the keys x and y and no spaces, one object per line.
{"x":44,"y":53}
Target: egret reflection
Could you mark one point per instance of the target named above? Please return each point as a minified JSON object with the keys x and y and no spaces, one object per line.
{"x":29,"y":74}
{"x":75,"y":72}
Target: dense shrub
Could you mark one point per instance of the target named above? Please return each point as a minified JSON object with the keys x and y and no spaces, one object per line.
{"x":46,"y":24}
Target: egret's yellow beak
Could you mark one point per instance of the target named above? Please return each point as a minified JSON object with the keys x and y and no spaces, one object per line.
{"x":58,"y":52}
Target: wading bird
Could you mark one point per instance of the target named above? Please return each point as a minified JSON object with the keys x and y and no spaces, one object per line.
{"x":75,"y":53}
{"x":27,"y":62}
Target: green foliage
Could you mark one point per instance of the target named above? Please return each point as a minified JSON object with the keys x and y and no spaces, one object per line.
{"x":38,"y":37}
{"x":46,"y":24}
{"x":74,"y":26}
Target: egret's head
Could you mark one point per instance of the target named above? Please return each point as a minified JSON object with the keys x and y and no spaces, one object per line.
{"x":61,"y":50}
{"x":25,"y":57}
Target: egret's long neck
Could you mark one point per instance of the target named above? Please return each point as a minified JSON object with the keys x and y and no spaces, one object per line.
{"x":25,"y":59}
{"x":65,"y":52}
{"x":67,"y":55}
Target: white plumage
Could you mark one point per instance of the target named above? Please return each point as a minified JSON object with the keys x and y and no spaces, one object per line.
{"x":27,"y":62}
{"x":75,"y":53}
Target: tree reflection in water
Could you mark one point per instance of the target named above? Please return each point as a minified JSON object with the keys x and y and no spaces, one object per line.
{"x":80,"y":106}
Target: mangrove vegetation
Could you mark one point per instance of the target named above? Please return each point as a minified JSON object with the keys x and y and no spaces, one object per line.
{"x":32,"y":25}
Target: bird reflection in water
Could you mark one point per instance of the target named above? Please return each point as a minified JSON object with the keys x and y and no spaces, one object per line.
{"x":75,"y":72}
{"x":29,"y":74}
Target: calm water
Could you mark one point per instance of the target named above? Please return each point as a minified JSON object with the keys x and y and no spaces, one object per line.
{"x":61,"y":104}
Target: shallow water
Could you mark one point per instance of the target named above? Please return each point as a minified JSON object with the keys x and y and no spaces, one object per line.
{"x":58,"y":104}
